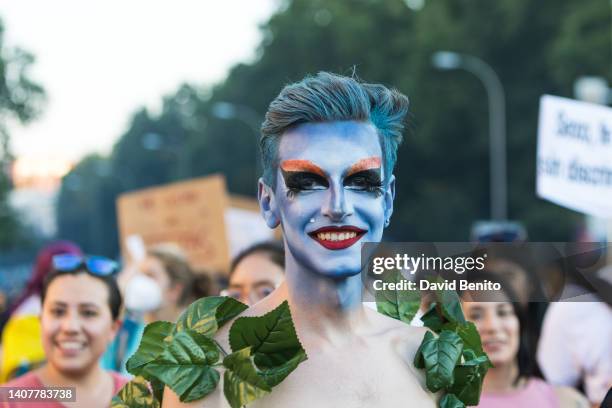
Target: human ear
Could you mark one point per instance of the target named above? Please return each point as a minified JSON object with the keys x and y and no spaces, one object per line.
{"x":388,"y":199}
{"x":114,"y":329}
{"x":267,"y":204}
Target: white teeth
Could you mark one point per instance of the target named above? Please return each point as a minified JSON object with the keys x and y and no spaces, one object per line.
{"x":335,"y":236}
{"x":71,"y":345}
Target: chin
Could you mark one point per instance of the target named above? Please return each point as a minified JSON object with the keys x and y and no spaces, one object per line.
{"x":499,"y":360}
{"x":72,"y":370}
{"x":337,"y":266}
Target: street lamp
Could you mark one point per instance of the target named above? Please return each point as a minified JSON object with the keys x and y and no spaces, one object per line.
{"x":447,"y":60}
{"x":244,"y":114}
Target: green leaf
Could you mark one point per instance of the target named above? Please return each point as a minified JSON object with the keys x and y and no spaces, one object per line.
{"x":275,"y":375}
{"x":451,"y":401}
{"x":433,"y":320}
{"x":440,"y":355}
{"x":135,"y":394}
{"x":469,"y":377}
{"x":450,"y":304}
{"x":398,"y":304}
{"x":151,"y":346}
{"x":208,"y":314}
{"x":419,"y":362}
{"x":471,"y":341}
{"x":242,"y":384}
{"x":468,"y":384}
{"x":158,"y":388}
{"x":472,"y":360}
{"x":273,"y":341}
{"x":185,"y":365}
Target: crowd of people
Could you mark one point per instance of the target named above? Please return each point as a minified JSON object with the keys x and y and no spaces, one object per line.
{"x":81,"y":317}
{"x":74,"y":326}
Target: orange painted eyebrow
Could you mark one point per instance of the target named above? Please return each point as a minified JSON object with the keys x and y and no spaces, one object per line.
{"x":364,"y":164}
{"x":302,"y":166}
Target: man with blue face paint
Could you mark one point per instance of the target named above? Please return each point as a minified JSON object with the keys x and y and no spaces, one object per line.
{"x":329,"y":145}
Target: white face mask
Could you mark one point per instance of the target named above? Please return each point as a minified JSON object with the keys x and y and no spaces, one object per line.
{"x":142,"y":294}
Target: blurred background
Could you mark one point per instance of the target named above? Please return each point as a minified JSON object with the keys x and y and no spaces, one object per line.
{"x":103,"y":99}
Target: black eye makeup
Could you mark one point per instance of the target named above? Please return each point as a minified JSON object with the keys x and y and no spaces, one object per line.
{"x":298,"y":181}
{"x":366,"y":180}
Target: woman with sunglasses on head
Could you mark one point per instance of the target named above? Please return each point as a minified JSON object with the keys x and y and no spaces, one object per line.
{"x":79,"y":318}
{"x":21,"y":346}
{"x":514,"y":380}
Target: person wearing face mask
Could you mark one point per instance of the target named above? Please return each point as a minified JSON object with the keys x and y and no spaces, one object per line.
{"x":79,"y":318}
{"x":515,"y":379}
{"x":256,"y":272}
{"x":159,"y":288}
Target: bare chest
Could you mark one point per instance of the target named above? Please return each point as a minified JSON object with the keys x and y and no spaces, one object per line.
{"x":351,"y":378}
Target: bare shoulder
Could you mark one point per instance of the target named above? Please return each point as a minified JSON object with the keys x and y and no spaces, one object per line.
{"x":570,"y":398}
{"x":395,"y":329}
{"x":403,"y":338}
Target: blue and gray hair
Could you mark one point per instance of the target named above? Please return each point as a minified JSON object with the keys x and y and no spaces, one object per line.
{"x":329,"y":97}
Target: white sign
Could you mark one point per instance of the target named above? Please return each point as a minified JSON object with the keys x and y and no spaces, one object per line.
{"x":574,"y":167}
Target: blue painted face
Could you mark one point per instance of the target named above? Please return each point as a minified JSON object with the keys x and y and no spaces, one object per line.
{"x":329,"y":195}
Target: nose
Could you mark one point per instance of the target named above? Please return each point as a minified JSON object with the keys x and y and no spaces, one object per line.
{"x":70,"y":323}
{"x":490,"y":323}
{"x":336,"y":206}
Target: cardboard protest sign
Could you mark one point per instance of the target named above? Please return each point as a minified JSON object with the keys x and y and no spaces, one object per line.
{"x":189,"y":213}
{"x":574,"y":163}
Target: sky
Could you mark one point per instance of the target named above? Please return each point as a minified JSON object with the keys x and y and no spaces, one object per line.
{"x":101,"y":61}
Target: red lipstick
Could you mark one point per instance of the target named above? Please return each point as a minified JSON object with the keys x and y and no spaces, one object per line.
{"x":336,"y":238}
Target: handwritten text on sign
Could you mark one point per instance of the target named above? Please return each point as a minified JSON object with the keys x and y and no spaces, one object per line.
{"x":189,"y":213}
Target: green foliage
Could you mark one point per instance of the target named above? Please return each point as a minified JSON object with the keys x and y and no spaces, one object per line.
{"x":448,"y":303}
{"x":135,"y":394}
{"x":451,"y":401}
{"x":185,"y":365}
{"x":440,"y":356}
{"x":451,"y":354}
{"x":20,"y":98}
{"x":151,"y":346}
{"x":185,"y":357}
{"x":207,"y":315}
{"x":442,"y":184}
{"x":273,"y":342}
{"x":401,"y":305}
{"x":242,"y":383}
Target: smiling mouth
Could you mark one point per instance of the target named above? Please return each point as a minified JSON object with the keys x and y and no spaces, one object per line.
{"x":493,"y":345}
{"x":70,"y":347}
{"x":336,"y":238}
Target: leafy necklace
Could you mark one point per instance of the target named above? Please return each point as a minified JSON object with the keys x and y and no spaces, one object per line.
{"x":265,"y":350}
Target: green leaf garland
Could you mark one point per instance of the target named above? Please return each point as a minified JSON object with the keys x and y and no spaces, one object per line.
{"x":242,"y":382}
{"x":185,"y":365}
{"x":208,"y":314}
{"x":135,"y":394}
{"x":401,"y":305}
{"x":185,"y":357}
{"x":451,"y":353}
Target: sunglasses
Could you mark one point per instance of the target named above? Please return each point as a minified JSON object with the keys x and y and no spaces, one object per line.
{"x":96,"y":265}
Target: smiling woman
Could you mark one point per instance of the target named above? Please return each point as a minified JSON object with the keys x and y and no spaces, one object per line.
{"x":514,"y":380}
{"x":80,"y":309}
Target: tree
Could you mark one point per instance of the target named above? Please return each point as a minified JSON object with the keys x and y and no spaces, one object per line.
{"x":20,"y":99}
{"x":442,"y":173}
